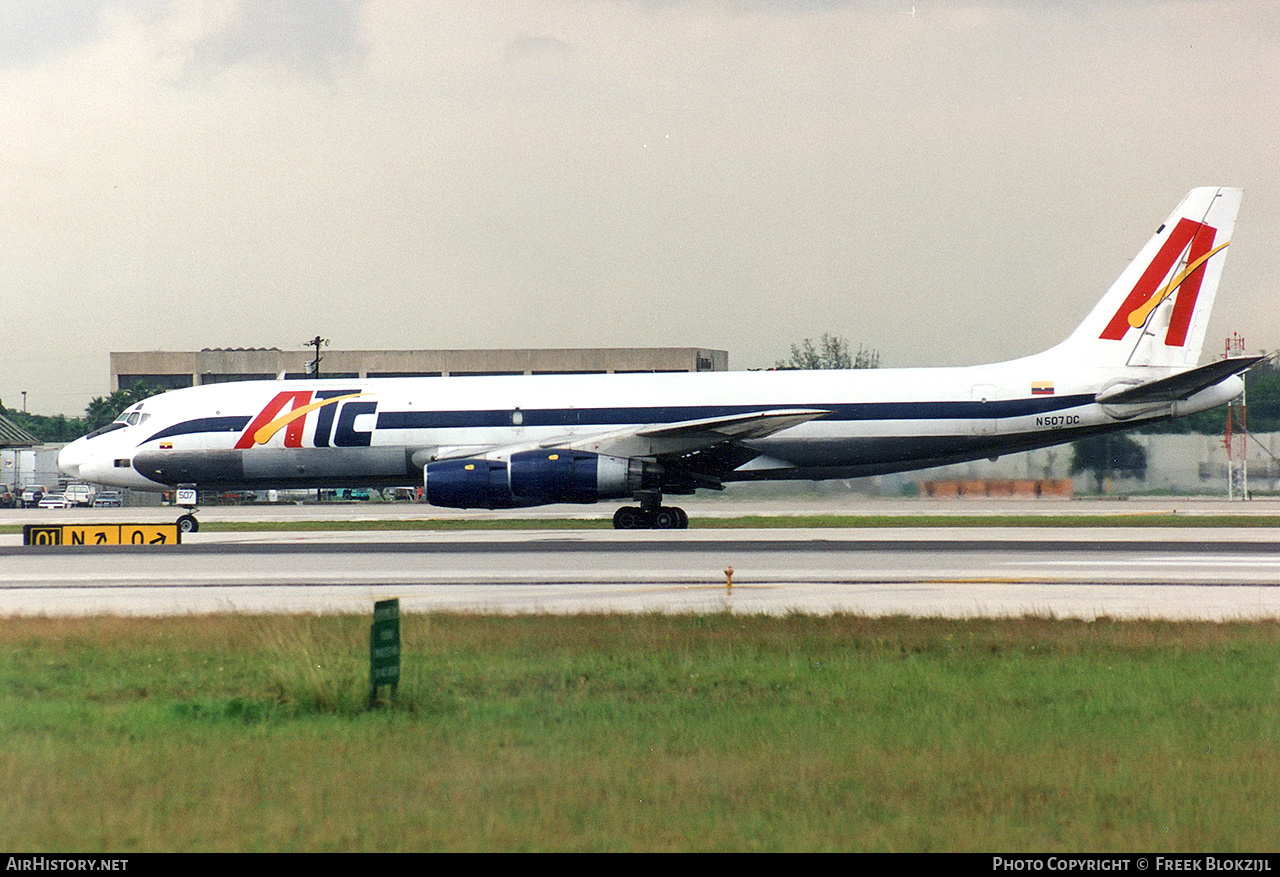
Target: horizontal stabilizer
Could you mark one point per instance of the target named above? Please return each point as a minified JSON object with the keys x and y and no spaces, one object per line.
{"x":1182,"y":385}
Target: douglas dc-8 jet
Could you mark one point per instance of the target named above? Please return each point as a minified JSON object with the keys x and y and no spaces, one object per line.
{"x":510,"y":442}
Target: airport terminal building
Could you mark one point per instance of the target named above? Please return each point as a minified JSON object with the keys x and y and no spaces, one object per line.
{"x":171,"y":370}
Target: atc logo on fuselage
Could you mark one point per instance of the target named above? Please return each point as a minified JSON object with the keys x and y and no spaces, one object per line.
{"x":335,"y":420}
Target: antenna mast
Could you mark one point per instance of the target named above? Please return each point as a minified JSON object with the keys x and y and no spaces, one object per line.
{"x":1236,"y":436}
{"x":316,"y":342}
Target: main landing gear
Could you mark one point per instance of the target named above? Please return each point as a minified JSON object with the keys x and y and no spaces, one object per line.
{"x":650,"y":515}
{"x":630,"y":517}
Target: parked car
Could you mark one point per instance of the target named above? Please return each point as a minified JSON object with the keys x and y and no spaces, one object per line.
{"x":7,"y":499}
{"x":79,"y":494}
{"x":54,"y":501}
{"x":108,"y":499}
{"x":31,"y":495}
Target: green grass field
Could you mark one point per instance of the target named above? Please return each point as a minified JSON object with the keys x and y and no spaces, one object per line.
{"x":649,"y":732}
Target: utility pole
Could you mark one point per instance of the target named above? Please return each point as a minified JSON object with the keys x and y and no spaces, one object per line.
{"x":316,"y":342}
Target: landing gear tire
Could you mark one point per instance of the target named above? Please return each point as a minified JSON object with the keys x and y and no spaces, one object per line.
{"x":628,"y":518}
{"x":665,"y":518}
{"x":188,"y":524}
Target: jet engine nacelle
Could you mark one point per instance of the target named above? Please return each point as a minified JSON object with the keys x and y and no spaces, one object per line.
{"x":530,"y":478}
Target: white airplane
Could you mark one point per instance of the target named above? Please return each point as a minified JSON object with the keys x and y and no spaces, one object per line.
{"x":509,"y":442}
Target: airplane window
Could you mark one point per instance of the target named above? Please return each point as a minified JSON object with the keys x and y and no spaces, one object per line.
{"x":133,"y":418}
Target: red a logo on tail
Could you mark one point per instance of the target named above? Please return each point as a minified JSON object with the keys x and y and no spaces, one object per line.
{"x":1145,"y":297}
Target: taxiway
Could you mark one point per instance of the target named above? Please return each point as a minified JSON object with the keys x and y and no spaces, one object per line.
{"x":1180,"y":573}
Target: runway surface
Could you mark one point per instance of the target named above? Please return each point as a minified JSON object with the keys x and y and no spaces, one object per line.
{"x":1194,"y":573}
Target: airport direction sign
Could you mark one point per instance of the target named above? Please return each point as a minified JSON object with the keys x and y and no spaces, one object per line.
{"x":150,"y":534}
{"x":92,"y":534}
{"x":101,"y":534}
{"x":41,"y":534}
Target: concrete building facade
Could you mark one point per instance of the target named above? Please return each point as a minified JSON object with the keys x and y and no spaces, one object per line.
{"x":171,"y":370}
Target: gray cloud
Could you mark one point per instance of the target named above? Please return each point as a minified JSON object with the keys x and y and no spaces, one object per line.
{"x":313,"y":36}
{"x":526,"y":45}
{"x":34,"y":29}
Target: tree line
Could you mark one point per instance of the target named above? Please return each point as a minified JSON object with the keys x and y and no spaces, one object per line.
{"x":100,"y":411}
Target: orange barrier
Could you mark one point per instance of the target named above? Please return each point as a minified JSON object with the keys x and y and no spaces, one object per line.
{"x":1002,"y":488}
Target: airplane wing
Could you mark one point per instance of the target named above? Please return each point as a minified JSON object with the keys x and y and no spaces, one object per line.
{"x":1182,"y":385}
{"x":689,"y":453}
{"x":657,"y":440}
{"x":687,"y":436}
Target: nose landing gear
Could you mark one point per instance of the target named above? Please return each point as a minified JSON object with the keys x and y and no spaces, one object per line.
{"x":187,"y":497}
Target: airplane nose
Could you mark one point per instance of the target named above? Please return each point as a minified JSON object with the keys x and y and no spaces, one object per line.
{"x":69,"y":459}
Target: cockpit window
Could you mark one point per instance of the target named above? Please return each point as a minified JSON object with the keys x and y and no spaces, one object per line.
{"x":131,"y":418}
{"x":110,"y":427}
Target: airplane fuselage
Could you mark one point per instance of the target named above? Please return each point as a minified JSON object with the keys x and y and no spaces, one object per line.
{"x":382,"y":432}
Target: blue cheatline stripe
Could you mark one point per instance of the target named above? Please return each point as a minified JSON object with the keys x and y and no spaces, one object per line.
{"x":203,"y":424}
{"x":680,"y":413}
{"x":854,"y":411}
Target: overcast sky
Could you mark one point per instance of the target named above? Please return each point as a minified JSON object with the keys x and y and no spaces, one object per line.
{"x":948,"y":187}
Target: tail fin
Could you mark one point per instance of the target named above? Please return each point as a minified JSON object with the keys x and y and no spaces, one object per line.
{"x":1157,"y":312}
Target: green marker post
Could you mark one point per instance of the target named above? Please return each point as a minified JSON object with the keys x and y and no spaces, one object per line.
{"x":384,"y":649}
